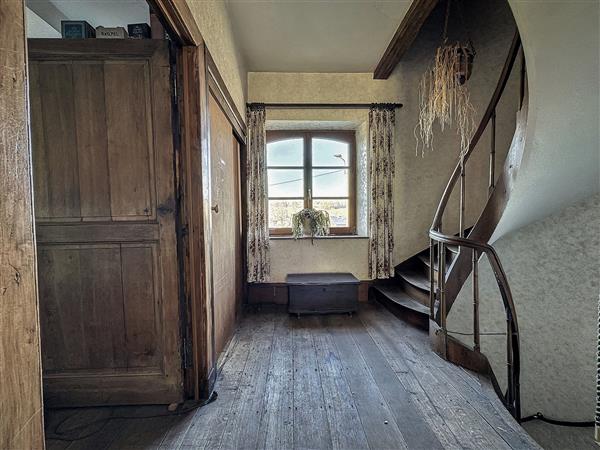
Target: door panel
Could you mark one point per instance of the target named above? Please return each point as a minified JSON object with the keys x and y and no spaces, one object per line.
{"x":92,"y":145}
{"x":128,"y":129}
{"x":105,"y":219}
{"x":226,"y":224}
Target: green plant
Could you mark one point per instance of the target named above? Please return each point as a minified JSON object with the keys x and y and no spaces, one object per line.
{"x":310,"y":221}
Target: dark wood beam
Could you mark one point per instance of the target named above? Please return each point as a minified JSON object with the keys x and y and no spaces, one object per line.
{"x":409,"y":28}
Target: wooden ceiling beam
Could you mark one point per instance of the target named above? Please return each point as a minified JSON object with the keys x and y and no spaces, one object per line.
{"x":409,"y":28}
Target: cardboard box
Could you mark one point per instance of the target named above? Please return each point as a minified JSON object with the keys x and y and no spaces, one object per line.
{"x":139,"y":31}
{"x":111,"y":33}
{"x":76,"y":29}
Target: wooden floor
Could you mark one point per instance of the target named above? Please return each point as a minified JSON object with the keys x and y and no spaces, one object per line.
{"x":367,"y":381}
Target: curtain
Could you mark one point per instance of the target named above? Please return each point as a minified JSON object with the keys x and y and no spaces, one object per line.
{"x":381,"y":176}
{"x":257,"y":246}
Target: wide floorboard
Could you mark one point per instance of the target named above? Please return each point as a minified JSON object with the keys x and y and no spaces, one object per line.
{"x":369,"y":381}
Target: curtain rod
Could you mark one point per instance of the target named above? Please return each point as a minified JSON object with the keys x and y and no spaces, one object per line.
{"x":322,"y":105}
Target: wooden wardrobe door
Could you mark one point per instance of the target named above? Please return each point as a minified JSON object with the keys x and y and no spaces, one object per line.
{"x":105,"y":219}
{"x":226,"y":224}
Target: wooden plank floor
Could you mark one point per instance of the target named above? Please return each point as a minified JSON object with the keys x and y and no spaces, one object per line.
{"x":317,"y":382}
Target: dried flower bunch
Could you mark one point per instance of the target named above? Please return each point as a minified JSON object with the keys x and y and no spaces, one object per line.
{"x":443,"y":96}
{"x":310,"y":221}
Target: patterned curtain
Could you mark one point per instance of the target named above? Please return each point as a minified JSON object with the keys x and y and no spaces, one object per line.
{"x":381,"y":176}
{"x":257,"y":247}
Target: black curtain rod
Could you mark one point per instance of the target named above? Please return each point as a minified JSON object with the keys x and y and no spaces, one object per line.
{"x":322,"y":105}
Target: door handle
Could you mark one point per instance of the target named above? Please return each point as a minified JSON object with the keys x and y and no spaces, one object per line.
{"x":215,"y":208}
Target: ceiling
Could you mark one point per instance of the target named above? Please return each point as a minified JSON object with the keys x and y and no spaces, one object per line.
{"x":44,"y":16}
{"x":314,"y":35}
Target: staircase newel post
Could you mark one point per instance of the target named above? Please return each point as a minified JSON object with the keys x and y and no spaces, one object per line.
{"x":476,"y":336}
{"x":510,"y":394}
{"x":442,"y":284}
{"x":431,"y":279}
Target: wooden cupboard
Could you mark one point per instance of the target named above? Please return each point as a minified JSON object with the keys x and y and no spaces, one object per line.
{"x":105,"y":204}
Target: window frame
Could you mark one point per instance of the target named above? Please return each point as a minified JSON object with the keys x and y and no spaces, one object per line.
{"x":345,"y":136}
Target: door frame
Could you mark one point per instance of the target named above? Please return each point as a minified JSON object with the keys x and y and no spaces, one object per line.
{"x":197,"y":77}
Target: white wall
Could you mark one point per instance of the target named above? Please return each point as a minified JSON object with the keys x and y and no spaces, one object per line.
{"x":548,"y":237}
{"x":553,"y":270}
{"x":561,"y":160}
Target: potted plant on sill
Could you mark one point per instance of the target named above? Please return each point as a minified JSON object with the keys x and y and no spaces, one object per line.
{"x":310,"y":222}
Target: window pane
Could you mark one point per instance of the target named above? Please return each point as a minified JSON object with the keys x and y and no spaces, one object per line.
{"x":337,"y":209}
{"x":285,"y":153}
{"x":281,"y":211}
{"x":286,"y":182}
{"x":330,"y":182}
{"x":326,"y":152}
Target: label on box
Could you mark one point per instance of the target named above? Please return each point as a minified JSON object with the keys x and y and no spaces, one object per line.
{"x":111,"y":33}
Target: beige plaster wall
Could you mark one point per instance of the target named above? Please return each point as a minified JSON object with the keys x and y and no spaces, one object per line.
{"x":325,"y":255}
{"x":213,"y":20}
{"x":548,"y":237}
{"x":419,"y":182}
{"x":553,"y":269}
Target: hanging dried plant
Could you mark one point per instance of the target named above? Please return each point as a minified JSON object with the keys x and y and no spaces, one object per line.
{"x":443,"y":96}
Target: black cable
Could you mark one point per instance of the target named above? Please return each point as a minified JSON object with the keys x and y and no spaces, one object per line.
{"x":59,"y":435}
{"x":562,"y":423}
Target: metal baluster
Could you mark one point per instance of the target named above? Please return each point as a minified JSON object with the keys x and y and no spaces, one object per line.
{"x":441,"y":284}
{"x":492,"y":180}
{"x":431,"y":279}
{"x":476,"y":336}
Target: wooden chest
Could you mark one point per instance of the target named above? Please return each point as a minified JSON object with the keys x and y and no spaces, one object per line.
{"x":322,"y":293}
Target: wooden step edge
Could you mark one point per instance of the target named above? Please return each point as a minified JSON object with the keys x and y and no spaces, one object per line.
{"x":403,"y":299}
{"x":414,"y":278}
{"x":411,"y":313}
{"x":453,"y":248}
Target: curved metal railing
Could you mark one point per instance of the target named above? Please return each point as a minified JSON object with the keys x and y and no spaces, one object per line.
{"x":441,"y":240}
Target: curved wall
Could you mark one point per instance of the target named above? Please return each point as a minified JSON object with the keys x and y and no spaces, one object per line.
{"x":548,"y":238}
{"x":561,"y":163}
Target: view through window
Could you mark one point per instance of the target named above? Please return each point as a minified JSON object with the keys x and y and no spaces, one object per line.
{"x":311,"y":169}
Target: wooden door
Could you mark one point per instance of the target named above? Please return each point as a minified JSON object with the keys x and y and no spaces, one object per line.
{"x":226,"y":224}
{"x":105,"y":208}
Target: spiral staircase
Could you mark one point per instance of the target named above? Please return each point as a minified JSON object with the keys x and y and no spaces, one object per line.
{"x":426,"y":286}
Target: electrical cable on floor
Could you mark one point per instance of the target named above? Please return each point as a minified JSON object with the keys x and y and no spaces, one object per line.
{"x":562,"y":423}
{"x":61,"y":435}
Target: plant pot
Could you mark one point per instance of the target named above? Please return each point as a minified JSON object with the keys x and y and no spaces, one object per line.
{"x":307,"y":226}
{"x":465,"y":65}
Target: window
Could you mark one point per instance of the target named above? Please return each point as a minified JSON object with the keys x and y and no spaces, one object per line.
{"x":311,"y":169}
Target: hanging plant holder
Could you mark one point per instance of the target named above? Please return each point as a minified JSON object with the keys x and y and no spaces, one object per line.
{"x":443,"y":94}
{"x":466,"y":56}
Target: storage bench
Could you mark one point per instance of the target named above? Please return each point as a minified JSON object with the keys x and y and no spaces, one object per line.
{"x":322,"y":293}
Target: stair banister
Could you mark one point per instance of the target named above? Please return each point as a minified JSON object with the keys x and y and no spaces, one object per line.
{"x":437,"y":238}
{"x":512,"y":399}
{"x":489,"y":112}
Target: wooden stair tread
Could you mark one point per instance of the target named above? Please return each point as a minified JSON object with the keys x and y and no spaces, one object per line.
{"x":453,"y":248}
{"x":424,"y":258}
{"x":396,"y":294}
{"x":415,"y":277}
